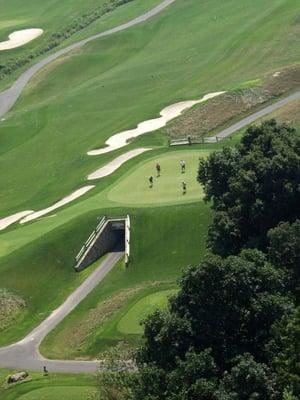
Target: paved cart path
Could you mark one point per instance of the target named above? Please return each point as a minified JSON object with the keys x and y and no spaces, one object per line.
{"x":10,"y":96}
{"x":257,"y":115}
{"x":25,"y":353}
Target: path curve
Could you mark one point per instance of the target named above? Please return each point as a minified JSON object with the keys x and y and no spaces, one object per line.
{"x":25,"y":353}
{"x":10,"y":96}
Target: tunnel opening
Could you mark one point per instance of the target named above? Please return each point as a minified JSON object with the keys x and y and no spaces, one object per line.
{"x":112,"y":234}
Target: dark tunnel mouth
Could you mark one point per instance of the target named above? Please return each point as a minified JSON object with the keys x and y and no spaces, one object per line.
{"x":120,"y":241}
{"x":109,"y":238}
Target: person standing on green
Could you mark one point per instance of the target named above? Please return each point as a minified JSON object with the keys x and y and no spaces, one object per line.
{"x":182,"y":166}
{"x":151,"y":182}
{"x":158,"y":169}
{"x":183,"y":187}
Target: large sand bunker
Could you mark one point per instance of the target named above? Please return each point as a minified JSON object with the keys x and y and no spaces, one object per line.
{"x":73,"y":196}
{"x":116,"y":163}
{"x":19,"y":38}
{"x":5,"y":222}
{"x":167,"y":114}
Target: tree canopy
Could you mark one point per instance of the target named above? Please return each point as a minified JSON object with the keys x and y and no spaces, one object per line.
{"x":232,"y":330}
{"x":253,"y":186}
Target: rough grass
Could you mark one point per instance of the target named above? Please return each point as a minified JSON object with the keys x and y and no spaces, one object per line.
{"x":159,"y":253}
{"x":66,"y":343}
{"x":289,"y":114}
{"x":231,"y":106}
{"x":11,"y":306}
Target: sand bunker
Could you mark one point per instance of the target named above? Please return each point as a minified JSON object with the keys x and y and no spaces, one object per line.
{"x":116,"y":163}
{"x":5,"y":222}
{"x":167,"y":114}
{"x":73,"y":196}
{"x":19,"y":38}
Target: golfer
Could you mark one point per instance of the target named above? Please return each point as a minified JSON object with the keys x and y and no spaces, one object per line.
{"x":151,"y":182}
{"x":158,"y":169}
{"x":182,"y":166}
{"x":183,"y":187}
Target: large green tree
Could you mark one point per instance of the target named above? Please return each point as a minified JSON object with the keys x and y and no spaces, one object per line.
{"x":227,"y":305}
{"x":248,"y":380}
{"x":253,"y":186}
{"x":284,"y":351}
{"x":284,"y":251}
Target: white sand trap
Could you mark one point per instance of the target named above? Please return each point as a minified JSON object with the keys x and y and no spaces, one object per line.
{"x":19,"y":38}
{"x":5,"y":222}
{"x":73,"y":196}
{"x":116,"y":163}
{"x":167,"y":114}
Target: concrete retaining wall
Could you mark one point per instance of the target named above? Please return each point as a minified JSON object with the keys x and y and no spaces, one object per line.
{"x":127,"y":240}
{"x":104,"y":239}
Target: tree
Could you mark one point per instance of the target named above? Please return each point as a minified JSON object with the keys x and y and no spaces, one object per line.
{"x":194,"y":378}
{"x":284,"y":351}
{"x":253,"y":187}
{"x":284,"y":251}
{"x":249,"y":380}
{"x":116,"y":376}
{"x":227,"y":305}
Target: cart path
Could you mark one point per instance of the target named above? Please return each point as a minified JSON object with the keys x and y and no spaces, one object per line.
{"x":10,"y":96}
{"x":25,"y":353}
{"x":257,"y":115}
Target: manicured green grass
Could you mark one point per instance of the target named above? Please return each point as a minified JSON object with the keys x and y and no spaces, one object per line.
{"x":131,"y":322}
{"x":164,"y":241}
{"x":75,"y":105}
{"x":51,"y":387}
{"x":20,"y":15}
{"x":116,"y":82}
{"x":61,"y":392}
{"x":51,"y":16}
{"x":134,"y":189}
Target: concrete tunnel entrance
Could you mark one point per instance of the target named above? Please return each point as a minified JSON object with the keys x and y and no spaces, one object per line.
{"x":111,"y":234}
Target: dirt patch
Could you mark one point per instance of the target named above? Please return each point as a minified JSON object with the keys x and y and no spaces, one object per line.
{"x":11,"y":306}
{"x":283,"y":81}
{"x":225,"y":109}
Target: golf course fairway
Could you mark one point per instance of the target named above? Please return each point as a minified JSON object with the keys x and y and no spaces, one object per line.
{"x":133,"y":189}
{"x":131,"y":321}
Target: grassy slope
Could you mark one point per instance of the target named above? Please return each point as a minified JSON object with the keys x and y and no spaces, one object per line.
{"x":119,"y":81}
{"x":42,"y":253}
{"x":174,"y":238}
{"x":51,"y":16}
{"x":120,"y":15}
{"x":72,"y":111}
{"x":130,"y":323}
{"x":51,"y":387}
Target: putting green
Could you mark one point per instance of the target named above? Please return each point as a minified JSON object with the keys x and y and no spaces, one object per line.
{"x":133,"y":189}
{"x":130,"y":322}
